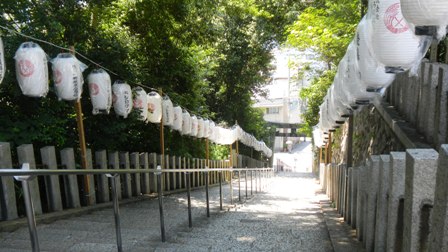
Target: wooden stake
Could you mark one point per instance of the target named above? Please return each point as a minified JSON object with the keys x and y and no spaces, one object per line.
{"x":329,"y":148}
{"x":207,"y":153}
{"x":162,"y":136}
{"x":231,"y":156}
{"x":82,"y":141}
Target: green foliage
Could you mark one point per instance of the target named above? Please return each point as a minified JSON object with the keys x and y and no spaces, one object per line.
{"x":209,"y":56}
{"x":326,"y":27}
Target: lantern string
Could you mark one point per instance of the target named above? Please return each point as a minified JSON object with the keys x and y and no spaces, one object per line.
{"x":76,"y":52}
{"x":86,"y":58}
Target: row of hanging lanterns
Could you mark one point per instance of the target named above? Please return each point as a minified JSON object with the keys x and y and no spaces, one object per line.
{"x":32,"y":76}
{"x":385,"y":44}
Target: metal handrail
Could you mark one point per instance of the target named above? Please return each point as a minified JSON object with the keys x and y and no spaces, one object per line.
{"x":44,"y":172}
{"x":26,"y":174}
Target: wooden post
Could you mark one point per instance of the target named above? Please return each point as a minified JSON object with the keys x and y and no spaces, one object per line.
{"x":350,"y":142}
{"x":207,"y":153}
{"x":82,"y":142}
{"x":329,"y":148}
{"x":434,"y":51}
{"x":162,"y":136}
{"x":231,"y":155}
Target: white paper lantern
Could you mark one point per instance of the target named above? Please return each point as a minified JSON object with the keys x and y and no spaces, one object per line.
{"x":351,"y":81}
{"x":206,"y":128}
{"x":32,"y":69}
{"x":373,"y":74}
{"x":427,"y":13}
{"x":122,"y":98}
{"x":67,"y":76}
{"x":200,"y":128}
{"x":100,"y":90}
{"x":194,"y":126}
{"x":211,"y":131}
{"x":394,"y":43}
{"x":186,"y":123}
{"x":141,"y":103}
{"x":2,"y":61}
{"x":168,"y":111}
{"x":154,"y":107}
{"x":177,"y":121}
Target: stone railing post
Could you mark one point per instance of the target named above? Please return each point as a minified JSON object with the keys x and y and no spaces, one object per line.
{"x":8,"y":209}
{"x":396,"y":194}
{"x":439,"y":235}
{"x":70,"y":181}
{"x":381,"y":208}
{"x":52,"y":187}
{"x":421,"y":168}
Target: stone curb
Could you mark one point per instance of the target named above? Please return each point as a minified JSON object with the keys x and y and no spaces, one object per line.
{"x":342,"y":236}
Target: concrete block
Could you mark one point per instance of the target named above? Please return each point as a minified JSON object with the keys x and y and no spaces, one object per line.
{"x":354,"y":196}
{"x":361,"y":199}
{"x":373,"y":174}
{"x":397,"y":171}
{"x":102,"y":180}
{"x":421,"y":168}
{"x":90,"y":198}
{"x":126,"y":182}
{"x":114,"y":163}
{"x":52,"y":186}
{"x":135,"y":178}
{"x":348,"y":210}
{"x":439,"y":233}
{"x":322,"y":177}
{"x":70,"y":181}
{"x":381,"y":208}
{"x":25,"y":153}
{"x":144,"y":164}
{"x":8,"y":203}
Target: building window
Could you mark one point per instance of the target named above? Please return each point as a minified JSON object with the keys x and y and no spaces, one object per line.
{"x":275,"y":110}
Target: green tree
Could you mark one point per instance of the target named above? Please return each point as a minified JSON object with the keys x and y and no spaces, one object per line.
{"x":326,"y":27}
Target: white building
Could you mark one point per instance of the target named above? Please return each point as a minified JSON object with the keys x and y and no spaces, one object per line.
{"x":283,"y":104}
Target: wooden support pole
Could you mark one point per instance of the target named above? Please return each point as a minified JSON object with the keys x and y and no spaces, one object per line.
{"x":350,"y":142}
{"x":82,"y":141}
{"x":329,"y":148}
{"x":207,"y":153}
{"x":231,"y":155}
{"x":162,"y":137}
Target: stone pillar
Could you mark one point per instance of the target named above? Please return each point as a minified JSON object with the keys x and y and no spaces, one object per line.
{"x":114,"y":163}
{"x":381,"y":208}
{"x":102,"y":180}
{"x":361,"y":202}
{"x":26,"y":155}
{"x":8,"y":203}
{"x":144,"y":164}
{"x":322,"y":177}
{"x":152,"y":178}
{"x":135,"y":164}
{"x":439,"y":234}
{"x":125,"y":178}
{"x":354,"y":196}
{"x":52,"y":187}
{"x":91,"y":197}
{"x":348,"y":210}
{"x":421,"y":168}
{"x":373,"y":173}
{"x":70,"y":181}
{"x":397,"y":177}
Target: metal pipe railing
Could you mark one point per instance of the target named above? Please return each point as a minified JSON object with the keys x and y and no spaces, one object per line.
{"x":26,"y":174}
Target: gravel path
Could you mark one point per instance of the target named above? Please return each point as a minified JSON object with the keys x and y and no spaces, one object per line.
{"x":287,"y":217}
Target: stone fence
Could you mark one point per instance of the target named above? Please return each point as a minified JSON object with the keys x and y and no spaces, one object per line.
{"x":57,"y":193}
{"x":396,"y":202}
{"x":423,"y":101}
